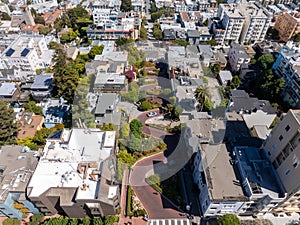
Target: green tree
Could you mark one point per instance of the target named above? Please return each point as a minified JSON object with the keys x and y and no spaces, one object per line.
{"x":125,"y":130}
{"x":153,"y":7}
{"x":142,"y":94}
{"x":54,"y":45}
{"x":85,"y":221}
{"x":38,"y":71}
{"x":235,"y":82}
{"x":11,"y":221}
{"x":212,"y":42}
{"x":57,"y":221}
{"x":110,"y":220}
{"x":135,"y":144}
{"x":97,"y":221}
{"x":126,"y":5}
{"x":28,"y":142}
{"x":143,"y":34}
{"x":76,"y":16}
{"x":136,"y":127}
{"x":201,"y":94}
{"x":156,"y":15}
{"x":44,"y":30}
{"x":36,"y":219}
{"x":69,"y":36}
{"x":207,"y":106}
{"x":174,"y":111}
{"x":123,"y":41}
{"x":266,"y":61}
{"x":31,"y":106}
{"x":39,"y":139}
{"x":215,"y":68}
{"x":157,"y":32}
{"x":8,"y":131}
{"x":270,"y":86}
{"x":146,"y":105}
{"x":80,"y":113}
{"x":229,"y":219}
{"x":73,"y":221}
{"x":96,"y":50}
{"x":39,"y":20}
{"x":166,"y":92}
{"x":65,"y":82}
{"x":5,"y":16}
{"x":144,"y":21}
{"x":181,"y":42}
{"x":33,"y":11}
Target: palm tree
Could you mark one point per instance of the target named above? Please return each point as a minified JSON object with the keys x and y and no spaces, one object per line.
{"x":201,"y":94}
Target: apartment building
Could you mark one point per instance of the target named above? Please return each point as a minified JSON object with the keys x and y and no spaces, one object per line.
{"x":257,"y":22}
{"x":28,"y":53}
{"x":17,"y":164}
{"x":244,"y":184}
{"x":237,"y":56}
{"x":240,"y":23}
{"x":113,"y":31}
{"x":287,"y":66}
{"x":241,"y":182}
{"x":231,"y":20}
{"x":283,"y":149}
{"x":287,"y":24}
{"x":106,"y":4}
{"x":76,"y":175}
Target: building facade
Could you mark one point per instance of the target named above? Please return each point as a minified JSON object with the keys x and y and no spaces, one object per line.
{"x":283,"y":149}
{"x":287,"y":66}
{"x":241,"y":23}
{"x":237,"y":56}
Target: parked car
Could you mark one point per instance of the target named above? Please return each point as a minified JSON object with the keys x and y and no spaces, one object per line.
{"x":150,"y":114}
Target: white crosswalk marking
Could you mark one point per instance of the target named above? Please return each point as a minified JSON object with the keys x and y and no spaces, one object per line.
{"x":169,"y":222}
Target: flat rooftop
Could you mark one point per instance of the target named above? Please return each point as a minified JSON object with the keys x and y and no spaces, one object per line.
{"x":17,"y":164}
{"x":255,"y":168}
{"x":223,"y":184}
{"x":74,"y":159}
{"x":83,"y":145}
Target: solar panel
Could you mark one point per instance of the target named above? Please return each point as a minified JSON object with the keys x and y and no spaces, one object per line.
{"x":10,"y":52}
{"x":25,"y":52}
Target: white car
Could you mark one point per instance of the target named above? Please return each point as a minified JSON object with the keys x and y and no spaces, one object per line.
{"x":150,"y":114}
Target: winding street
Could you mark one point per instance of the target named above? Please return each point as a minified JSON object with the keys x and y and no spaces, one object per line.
{"x":156,"y":205}
{"x":150,"y":130}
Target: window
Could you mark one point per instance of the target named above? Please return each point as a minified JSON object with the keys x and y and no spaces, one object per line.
{"x":287,"y":128}
{"x":269,"y":153}
{"x":287,"y":172}
{"x":280,"y":138}
{"x":295,"y":164}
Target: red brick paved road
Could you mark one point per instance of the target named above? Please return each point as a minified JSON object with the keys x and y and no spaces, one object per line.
{"x":157,"y":206}
{"x":150,"y":130}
